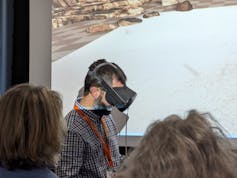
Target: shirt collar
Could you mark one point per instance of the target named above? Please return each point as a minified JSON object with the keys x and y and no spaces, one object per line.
{"x":91,"y":115}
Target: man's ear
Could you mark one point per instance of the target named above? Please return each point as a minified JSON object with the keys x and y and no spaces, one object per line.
{"x":95,"y":92}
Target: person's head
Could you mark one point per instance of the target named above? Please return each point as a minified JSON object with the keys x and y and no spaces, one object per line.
{"x":32,"y":127}
{"x":175,"y":148}
{"x":106,"y":83}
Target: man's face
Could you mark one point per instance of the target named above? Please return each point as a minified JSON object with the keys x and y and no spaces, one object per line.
{"x":98,"y":101}
{"x":101,"y":101}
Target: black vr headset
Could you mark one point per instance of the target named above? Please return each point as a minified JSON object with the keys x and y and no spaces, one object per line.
{"x":120,"y":97}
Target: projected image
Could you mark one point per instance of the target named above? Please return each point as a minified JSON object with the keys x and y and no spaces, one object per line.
{"x":175,"y":62}
{"x":76,"y":23}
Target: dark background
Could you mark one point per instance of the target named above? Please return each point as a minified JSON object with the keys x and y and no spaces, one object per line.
{"x":14,"y":47}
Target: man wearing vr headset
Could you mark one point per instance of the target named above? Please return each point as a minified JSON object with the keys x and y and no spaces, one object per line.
{"x":91,"y":148}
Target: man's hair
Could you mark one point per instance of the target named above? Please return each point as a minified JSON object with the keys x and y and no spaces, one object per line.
{"x":175,"y":148}
{"x":101,"y":69}
{"x":32,"y":128}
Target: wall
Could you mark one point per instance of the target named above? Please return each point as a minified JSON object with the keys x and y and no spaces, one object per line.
{"x":40,"y":42}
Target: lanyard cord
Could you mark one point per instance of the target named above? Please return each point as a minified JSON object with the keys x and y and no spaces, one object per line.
{"x":105,"y":146}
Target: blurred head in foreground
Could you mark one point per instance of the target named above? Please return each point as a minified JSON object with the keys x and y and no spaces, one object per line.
{"x":187,"y":148}
{"x":31,"y":127}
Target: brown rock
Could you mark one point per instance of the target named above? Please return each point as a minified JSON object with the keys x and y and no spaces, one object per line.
{"x":107,"y":13}
{"x":59,"y":22}
{"x":79,"y":10}
{"x":100,"y":28}
{"x":90,"y":9}
{"x":124,"y":13}
{"x":123,"y":4}
{"x":184,"y":6}
{"x":135,"y":11}
{"x":63,"y":3}
{"x":151,"y":14}
{"x":78,"y":18}
{"x":129,"y":21}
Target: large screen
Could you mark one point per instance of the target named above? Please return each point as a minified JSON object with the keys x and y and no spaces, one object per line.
{"x":175,"y":62}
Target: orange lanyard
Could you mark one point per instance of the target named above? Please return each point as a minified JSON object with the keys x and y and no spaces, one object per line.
{"x":105,"y":146}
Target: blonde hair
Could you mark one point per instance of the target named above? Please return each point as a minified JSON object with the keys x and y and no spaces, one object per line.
{"x":175,"y":148}
{"x":32,"y":128}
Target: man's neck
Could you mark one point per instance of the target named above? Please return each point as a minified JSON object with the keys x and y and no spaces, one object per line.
{"x":87,"y":101}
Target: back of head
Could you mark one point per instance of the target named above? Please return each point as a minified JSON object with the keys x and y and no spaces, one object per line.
{"x":175,"y":148}
{"x":32,"y":127}
{"x":217,"y":156}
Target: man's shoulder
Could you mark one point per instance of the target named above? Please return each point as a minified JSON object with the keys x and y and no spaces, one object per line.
{"x":111,"y":125}
{"x":109,"y":119}
{"x":72,"y":115}
{"x":75,"y":122}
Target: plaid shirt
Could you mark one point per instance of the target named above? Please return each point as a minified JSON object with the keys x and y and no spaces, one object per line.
{"x":83,"y":155}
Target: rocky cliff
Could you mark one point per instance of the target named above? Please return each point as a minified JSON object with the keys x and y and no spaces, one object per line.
{"x":71,"y":11}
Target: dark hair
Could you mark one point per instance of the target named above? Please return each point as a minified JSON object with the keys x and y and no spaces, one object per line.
{"x":175,"y":148}
{"x":32,"y":128}
{"x":101,"y":69}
